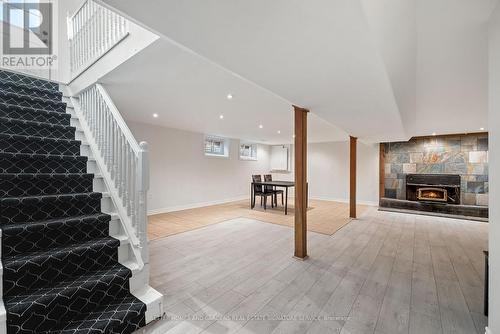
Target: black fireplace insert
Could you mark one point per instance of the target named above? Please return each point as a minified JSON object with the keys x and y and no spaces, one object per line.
{"x":436,"y":188}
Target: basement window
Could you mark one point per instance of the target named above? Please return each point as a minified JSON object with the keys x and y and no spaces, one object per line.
{"x":248,"y":151}
{"x":216,"y":146}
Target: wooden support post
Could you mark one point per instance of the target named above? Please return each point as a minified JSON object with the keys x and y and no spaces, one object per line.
{"x":381,"y":178}
{"x":300,"y":182}
{"x":352,"y":182}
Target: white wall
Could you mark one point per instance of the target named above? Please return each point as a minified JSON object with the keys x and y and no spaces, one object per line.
{"x":494,"y":160}
{"x":182,"y":176}
{"x":328,"y":171}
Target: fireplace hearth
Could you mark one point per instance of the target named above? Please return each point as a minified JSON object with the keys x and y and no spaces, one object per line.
{"x":434,"y":194}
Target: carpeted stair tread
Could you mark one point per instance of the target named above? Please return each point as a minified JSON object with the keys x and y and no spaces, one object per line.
{"x":12,"y":162}
{"x":35,"y":144}
{"x":21,"y":88}
{"x":28,"y":81}
{"x":21,"y":209}
{"x":34,"y":128}
{"x":29,"y":237}
{"x":8,"y":105}
{"x":32,"y":271}
{"x":35,"y":256}
{"x":38,"y":138}
{"x":46,"y":308}
{"x":38,"y":115}
{"x":41,"y":184}
{"x":43,"y":175}
{"x":69,"y":289}
{"x":91,"y":276}
{"x":78,"y":219}
{"x":124,"y":315}
{"x":25,"y":95}
{"x":32,"y":101}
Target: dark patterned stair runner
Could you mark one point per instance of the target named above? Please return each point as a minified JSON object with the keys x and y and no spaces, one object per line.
{"x":60,"y":266}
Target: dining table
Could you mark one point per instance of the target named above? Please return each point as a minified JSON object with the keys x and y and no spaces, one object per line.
{"x":277,"y":184}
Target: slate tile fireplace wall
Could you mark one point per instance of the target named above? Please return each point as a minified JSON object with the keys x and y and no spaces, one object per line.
{"x":466,"y":155}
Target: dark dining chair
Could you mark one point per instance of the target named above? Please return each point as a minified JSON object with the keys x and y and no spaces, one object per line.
{"x":259,"y":190}
{"x":276,"y":192}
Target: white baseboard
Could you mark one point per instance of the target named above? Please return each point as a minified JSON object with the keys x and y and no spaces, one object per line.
{"x":197,"y":205}
{"x":343,"y":200}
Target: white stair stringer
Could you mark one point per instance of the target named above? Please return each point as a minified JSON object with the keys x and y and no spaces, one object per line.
{"x":127,"y":252}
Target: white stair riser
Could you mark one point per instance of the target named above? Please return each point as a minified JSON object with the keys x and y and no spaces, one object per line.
{"x":85,"y":150}
{"x":79,"y":135}
{"x":124,"y":253}
{"x":99,"y":185}
{"x":115,"y":227}
{"x":92,"y":167}
{"x":107,"y":205}
{"x":74,"y":122}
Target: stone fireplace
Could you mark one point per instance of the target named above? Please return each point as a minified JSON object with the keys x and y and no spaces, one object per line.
{"x":446,"y":175}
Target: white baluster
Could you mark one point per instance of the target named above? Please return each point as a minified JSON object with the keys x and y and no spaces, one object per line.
{"x":142,"y":188}
{"x":133,"y":186}
{"x":126,"y":198}
{"x":115,"y":154}
{"x":99,"y":29}
{"x":91,"y":31}
{"x":130,"y":182}
{"x":84,"y":36}
{"x":77,"y":38}
{"x":122,"y":169}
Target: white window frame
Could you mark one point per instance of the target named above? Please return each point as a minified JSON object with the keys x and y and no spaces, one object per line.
{"x":224,"y":144}
{"x":254,"y":149}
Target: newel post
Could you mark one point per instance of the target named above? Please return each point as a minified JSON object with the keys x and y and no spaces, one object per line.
{"x":142,"y":189}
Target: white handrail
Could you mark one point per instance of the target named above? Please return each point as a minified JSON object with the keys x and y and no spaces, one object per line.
{"x":93,"y":30}
{"x":123,"y":162}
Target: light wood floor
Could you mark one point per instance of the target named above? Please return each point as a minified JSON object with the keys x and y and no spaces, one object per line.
{"x":384,"y":273}
{"x":323,"y":217}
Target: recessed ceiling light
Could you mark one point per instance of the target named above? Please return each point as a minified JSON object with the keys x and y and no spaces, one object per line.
{"x":293,"y":136}
{"x":482,"y":129}
{"x":279,"y":131}
{"x":155,"y":115}
{"x":229,"y":96}
{"x":433,"y":133}
{"x":221,"y":116}
{"x":261,"y":126}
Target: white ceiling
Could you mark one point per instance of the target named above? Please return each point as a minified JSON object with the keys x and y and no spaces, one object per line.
{"x":452,"y":65}
{"x":190,"y":93}
{"x":380,"y":70}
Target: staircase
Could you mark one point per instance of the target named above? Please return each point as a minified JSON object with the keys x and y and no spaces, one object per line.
{"x":60,"y":265}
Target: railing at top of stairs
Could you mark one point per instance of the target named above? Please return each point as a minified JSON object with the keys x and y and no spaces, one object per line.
{"x":93,"y":30}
